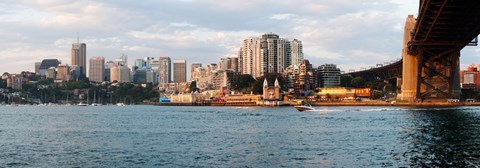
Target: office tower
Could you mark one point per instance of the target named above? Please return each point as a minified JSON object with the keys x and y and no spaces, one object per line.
{"x":114,"y":74}
{"x":63,"y":73}
{"x":37,"y":68}
{"x":148,"y":60}
{"x":140,"y":63}
{"x":47,"y":63}
{"x":328,"y":75}
{"x":192,"y":69}
{"x":164,"y":70}
{"x":79,"y":57}
{"x":120,"y":74}
{"x":122,"y":60}
{"x":179,"y":71}
{"x":97,"y":69}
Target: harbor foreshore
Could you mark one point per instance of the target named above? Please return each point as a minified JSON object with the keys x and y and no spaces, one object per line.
{"x":370,"y":103}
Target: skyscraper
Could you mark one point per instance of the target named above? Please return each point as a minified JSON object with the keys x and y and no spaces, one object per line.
{"x":192,"y":69}
{"x":97,"y":69}
{"x":79,"y":57}
{"x":165,"y":70}
{"x":268,"y":54}
{"x":179,"y":71}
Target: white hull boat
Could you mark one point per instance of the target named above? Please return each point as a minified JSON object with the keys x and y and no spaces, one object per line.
{"x":306,"y":107}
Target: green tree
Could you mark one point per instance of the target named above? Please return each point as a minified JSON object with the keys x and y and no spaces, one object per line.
{"x":346,"y":80}
{"x":358,"y":82}
{"x":243,"y":83}
{"x":258,"y":85}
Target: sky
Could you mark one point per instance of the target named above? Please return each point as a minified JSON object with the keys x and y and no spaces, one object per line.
{"x":349,"y":33}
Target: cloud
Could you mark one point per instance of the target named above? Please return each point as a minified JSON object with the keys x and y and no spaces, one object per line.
{"x":350,"y":33}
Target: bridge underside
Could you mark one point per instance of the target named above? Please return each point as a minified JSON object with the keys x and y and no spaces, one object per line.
{"x":442,"y":29}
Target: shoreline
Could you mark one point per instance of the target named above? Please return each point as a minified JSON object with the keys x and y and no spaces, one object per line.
{"x":400,"y":104}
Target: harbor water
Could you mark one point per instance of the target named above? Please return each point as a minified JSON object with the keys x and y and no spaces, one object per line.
{"x":158,"y":136}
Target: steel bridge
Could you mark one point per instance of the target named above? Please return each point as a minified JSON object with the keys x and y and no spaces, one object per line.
{"x":431,"y":50}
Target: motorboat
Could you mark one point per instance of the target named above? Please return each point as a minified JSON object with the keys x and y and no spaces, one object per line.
{"x":305,"y":107}
{"x":120,"y":104}
{"x":96,"y":104}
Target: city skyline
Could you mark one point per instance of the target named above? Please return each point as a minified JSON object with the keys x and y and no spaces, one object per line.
{"x":351,"y":34}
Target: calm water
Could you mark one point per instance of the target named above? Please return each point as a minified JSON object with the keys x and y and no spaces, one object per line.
{"x":153,"y":136}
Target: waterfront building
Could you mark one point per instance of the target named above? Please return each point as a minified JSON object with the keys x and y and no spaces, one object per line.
{"x":63,"y":74}
{"x":328,"y":75}
{"x":164,"y":70}
{"x":179,"y":71}
{"x":37,"y":67}
{"x":189,"y":97}
{"x":46,"y":64}
{"x":470,"y":78}
{"x":96,"y":72}
{"x":79,"y":57}
{"x":194,"y":66}
{"x":337,"y":93}
{"x":271,"y":93}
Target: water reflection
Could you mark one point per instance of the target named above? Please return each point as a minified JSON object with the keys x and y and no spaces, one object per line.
{"x":442,"y":138}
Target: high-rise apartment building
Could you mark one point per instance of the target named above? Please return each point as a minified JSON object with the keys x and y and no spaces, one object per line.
{"x":164,"y":70}
{"x":97,"y":69}
{"x":268,"y":54}
{"x":194,"y":66}
{"x":293,"y":52}
{"x":179,"y":71}
{"x":79,"y":57}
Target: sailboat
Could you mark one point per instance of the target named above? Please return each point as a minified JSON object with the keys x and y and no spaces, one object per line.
{"x":94,"y":97}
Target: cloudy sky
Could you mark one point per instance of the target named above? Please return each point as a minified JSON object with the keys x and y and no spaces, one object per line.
{"x":349,"y":33}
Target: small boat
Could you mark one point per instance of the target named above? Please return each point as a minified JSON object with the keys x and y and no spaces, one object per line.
{"x":82,"y":104}
{"x":305,"y":107}
{"x":120,"y":104}
{"x":95,"y":104}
